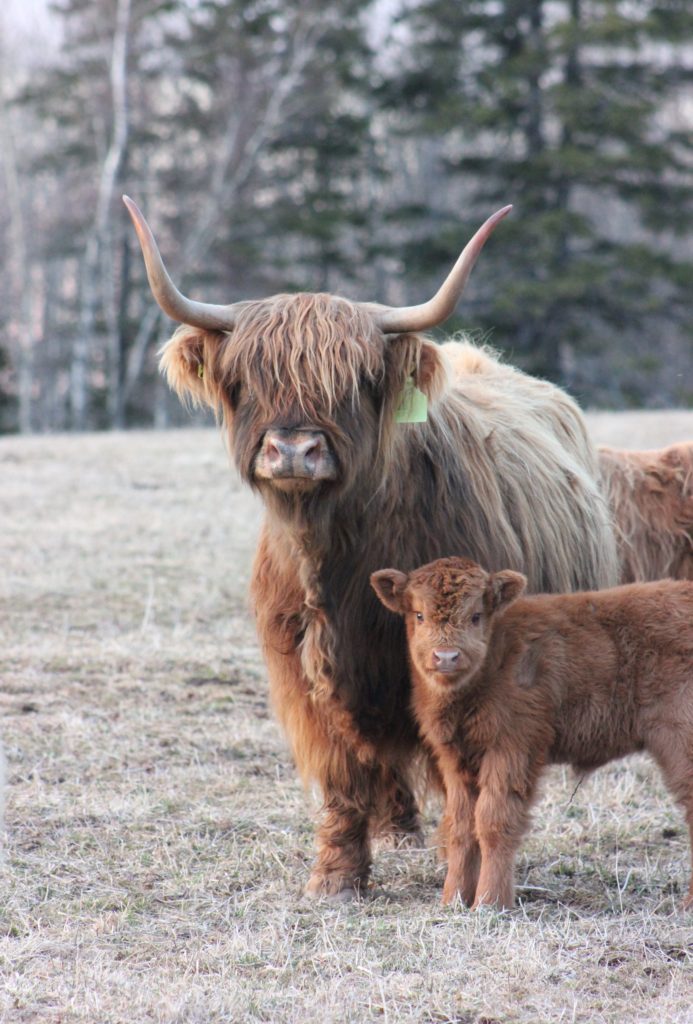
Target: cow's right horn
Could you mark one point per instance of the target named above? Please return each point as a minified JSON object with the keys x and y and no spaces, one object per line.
{"x":172,"y":302}
{"x":393,"y":320}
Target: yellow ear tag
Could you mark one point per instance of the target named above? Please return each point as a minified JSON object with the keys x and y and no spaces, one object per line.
{"x":200,"y":370}
{"x":413,"y":404}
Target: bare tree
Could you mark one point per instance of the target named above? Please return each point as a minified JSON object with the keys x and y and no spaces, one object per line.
{"x":255,"y":113}
{"x":19,"y":329}
{"x":97,"y":280}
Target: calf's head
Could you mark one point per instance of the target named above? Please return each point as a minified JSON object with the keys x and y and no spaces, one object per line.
{"x":308,"y":383}
{"x":448,"y":606}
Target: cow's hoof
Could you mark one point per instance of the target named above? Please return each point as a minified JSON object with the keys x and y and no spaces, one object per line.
{"x":332,"y":890}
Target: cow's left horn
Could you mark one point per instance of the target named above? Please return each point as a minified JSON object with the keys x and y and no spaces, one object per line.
{"x":393,"y":320}
{"x":171,"y":301}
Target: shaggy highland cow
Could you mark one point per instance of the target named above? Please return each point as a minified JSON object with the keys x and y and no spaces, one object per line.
{"x":502,"y":687}
{"x":651,"y":495}
{"x":310,"y":387}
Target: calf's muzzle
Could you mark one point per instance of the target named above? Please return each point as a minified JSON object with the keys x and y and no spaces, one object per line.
{"x":446,"y":659}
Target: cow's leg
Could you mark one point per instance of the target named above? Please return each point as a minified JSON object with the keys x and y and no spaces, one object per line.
{"x":343,"y":863}
{"x":347,"y":778}
{"x":398,"y":823}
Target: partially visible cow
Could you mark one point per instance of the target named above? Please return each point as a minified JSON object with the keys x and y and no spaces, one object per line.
{"x":311,"y":388}
{"x":651,"y":495}
{"x":504,"y":685}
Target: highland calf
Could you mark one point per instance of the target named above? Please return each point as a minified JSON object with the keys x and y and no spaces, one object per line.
{"x":504,"y":686}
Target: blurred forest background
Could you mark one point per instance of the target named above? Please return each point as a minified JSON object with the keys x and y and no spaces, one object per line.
{"x":353,"y":147}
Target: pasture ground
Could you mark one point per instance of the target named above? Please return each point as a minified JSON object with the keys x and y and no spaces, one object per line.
{"x":157,"y":839}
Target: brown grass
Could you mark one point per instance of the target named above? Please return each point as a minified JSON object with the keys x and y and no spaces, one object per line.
{"x":158,"y":840}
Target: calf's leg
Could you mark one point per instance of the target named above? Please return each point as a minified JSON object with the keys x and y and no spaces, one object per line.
{"x":463,"y":852}
{"x":672,"y":748}
{"x":501,"y":820}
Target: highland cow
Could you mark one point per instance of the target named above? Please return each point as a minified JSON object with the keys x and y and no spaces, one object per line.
{"x":651,"y":496}
{"x":313,"y":390}
{"x":504,"y":685}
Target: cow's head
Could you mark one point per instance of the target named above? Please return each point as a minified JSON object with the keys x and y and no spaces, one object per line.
{"x":448,"y":607}
{"x":308,"y":384}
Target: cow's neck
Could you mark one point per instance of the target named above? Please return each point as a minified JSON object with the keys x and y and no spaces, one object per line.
{"x":322,"y":526}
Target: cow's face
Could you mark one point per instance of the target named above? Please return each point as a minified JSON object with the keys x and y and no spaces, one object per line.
{"x":448,"y":607}
{"x":307,"y":385}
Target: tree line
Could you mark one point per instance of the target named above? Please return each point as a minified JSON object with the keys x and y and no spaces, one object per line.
{"x":349,"y":147}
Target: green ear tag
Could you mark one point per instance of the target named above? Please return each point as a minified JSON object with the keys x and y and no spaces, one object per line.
{"x":413,"y":404}
{"x":200,"y":370}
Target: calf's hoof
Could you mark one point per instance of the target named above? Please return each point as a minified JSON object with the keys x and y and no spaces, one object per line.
{"x":453,"y":894}
{"x":488,"y":903}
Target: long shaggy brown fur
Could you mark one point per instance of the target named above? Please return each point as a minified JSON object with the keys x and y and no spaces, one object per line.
{"x":503,"y":687}
{"x":651,"y":495}
{"x":502,"y":471}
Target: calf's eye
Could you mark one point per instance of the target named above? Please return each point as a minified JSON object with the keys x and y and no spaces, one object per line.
{"x":476,"y":618}
{"x":419,"y":616}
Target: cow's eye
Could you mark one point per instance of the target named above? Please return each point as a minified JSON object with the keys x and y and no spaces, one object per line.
{"x":476,"y":618}
{"x":419,"y":617}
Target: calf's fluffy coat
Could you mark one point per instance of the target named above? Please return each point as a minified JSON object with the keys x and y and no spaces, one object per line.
{"x":503,"y":685}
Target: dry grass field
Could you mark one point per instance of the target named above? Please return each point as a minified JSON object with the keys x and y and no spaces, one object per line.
{"x":157,"y":839}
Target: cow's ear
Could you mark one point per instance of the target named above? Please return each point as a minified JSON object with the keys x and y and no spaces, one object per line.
{"x":431,"y":373}
{"x":505,"y":587}
{"x":189,"y":361}
{"x":389,"y":585}
{"x":411,"y":356}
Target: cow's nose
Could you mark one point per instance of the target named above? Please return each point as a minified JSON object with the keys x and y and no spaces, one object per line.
{"x":446,"y":659}
{"x":296,"y":454}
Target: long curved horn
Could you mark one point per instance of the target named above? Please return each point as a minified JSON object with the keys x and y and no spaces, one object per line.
{"x":171,"y":301}
{"x":393,"y":320}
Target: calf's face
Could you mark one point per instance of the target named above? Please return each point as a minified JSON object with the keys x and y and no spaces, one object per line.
{"x":448,"y":607}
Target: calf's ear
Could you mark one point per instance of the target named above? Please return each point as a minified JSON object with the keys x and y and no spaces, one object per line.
{"x":389,"y":586}
{"x":189,"y":362}
{"x":504,"y":587}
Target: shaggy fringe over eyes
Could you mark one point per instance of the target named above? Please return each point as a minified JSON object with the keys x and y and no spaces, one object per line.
{"x":451,"y":580}
{"x":312,"y":350}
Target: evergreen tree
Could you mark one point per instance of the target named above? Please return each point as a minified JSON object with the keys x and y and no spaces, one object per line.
{"x":567,"y":110}
{"x":282,"y":90}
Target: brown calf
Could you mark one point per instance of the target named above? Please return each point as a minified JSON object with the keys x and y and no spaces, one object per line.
{"x":502,"y":687}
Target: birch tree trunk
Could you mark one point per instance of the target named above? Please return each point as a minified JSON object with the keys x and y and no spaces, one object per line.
{"x":19,"y":329}
{"x":247,"y":134}
{"x":97,"y":280}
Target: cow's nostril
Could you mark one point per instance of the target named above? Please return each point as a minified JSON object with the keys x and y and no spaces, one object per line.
{"x":272,"y":453}
{"x":312,"y":453}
